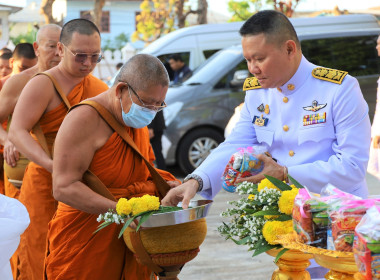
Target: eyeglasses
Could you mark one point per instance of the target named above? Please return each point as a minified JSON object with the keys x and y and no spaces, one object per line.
{"x":147,"y":107}
{"x":82,"y":57}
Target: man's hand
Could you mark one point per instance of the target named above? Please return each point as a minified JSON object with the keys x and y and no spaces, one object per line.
{"x":376,"y":142}
{"x":173,"y":184}
{"x":11,"y":155}
{"x":271,"y":168}
{"x":183,"y":193}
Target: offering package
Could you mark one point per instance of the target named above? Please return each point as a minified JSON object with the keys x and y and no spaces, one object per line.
{"x":367,"y":244}
{"x":242,"y":164}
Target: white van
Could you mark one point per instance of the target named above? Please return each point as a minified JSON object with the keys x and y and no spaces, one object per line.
{"x":197,"y":43}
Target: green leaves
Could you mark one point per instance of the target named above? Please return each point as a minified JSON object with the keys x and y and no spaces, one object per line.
{"x":278,"y":183}
{"x":283,"y":251}
{"x":294,"y":181}
{"x":272,"y":212}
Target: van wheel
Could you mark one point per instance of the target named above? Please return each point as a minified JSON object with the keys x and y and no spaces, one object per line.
{"x":196,"y":146}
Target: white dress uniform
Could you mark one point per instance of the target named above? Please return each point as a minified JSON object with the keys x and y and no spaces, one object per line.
{"x":316,"y":124}
{"x":373,"y":164}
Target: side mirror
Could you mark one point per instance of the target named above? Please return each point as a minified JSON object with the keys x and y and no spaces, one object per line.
{"x":239,"y":78}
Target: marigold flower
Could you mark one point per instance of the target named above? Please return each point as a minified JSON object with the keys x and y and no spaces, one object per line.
{"x":286,"y":201}
{"x":265,"y":183}
{"x":123,"y":207}
{"x":251,"y":197}
{"x":273,"y":229}
{"x":144,"y":203}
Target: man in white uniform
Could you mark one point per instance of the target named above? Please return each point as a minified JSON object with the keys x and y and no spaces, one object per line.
{"x":313,"y":120}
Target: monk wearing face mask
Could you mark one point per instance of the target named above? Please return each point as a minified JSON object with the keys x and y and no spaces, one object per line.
{"x":86,"y":141}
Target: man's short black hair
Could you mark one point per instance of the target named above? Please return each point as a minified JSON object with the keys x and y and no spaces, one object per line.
{"x":119,"y":65}
{"x":176,"y":57}
{"x":5,"y":50}
{"x":80,"y":25}
{"x":6,"y":56}
{"x":274,"y":25}
{"x":24,"y":50}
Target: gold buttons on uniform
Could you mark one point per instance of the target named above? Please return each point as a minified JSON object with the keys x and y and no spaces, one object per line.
{"x":291,"y":153}
{"x":279,"y":89}
{"x":291,"y":87}
{"x":285,"y":128}
{"x":285,"y":99}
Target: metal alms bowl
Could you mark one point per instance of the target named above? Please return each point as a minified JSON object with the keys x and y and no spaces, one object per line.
{"x":197,"y":209}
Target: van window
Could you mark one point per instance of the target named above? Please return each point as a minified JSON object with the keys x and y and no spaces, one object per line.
{"x":356,"y":55}
{"x":165,"y":60}
{"x":208,"y":53}
{"x":225,"y":81}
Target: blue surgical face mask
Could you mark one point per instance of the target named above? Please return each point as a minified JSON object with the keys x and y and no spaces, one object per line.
{"x":138,"y":116}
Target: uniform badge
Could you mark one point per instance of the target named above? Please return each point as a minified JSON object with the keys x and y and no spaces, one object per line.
{"x":315,"y":106}
{"x":314,"y":119}
{"x":260,"y":121}
{"x":261,"y":108}
{"x":266,"y":109}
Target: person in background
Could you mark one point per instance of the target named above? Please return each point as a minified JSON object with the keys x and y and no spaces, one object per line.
{"x":181,"y":71}
{"x":373,"y":163}
{"x":5,"y":50}
{"x":5,"y":66}
{"x":156,"y":130}
{"x":119,"y":65}
{"x":23,"y":58}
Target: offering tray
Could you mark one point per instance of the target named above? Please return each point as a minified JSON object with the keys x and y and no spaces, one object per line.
{"x":341,"y":264}
{"x":198,"y":209}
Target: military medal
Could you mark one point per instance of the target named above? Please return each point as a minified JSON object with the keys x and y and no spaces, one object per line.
{"x":315,"y":106}
{"x":260,"y":121}
{"x":261,"y":108}
{"x":266,"y":109}
{"x":314,"y":119}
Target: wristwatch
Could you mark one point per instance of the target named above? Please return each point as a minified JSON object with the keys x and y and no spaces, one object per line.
{"x":195,"y":177}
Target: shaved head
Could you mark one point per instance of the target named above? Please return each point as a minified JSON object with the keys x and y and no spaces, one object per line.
{"x":41,"y":33}
{"x":143,"y":71}
{"x":81,"y":26}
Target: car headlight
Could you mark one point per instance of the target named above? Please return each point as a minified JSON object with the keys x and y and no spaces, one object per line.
{"x":171,"y":111}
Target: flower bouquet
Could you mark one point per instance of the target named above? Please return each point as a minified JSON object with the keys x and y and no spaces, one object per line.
{"x":259,"y":217}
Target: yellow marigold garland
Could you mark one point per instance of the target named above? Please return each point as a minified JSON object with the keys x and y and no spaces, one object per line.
{"x":273,"y":229}
{"x":123,"y":207}
{"x":265,"y":183}
{"x":286,"y":201}
{"x":137,"y":205}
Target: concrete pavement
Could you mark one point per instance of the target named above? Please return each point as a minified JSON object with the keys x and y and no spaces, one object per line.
{"x":221,"y":259}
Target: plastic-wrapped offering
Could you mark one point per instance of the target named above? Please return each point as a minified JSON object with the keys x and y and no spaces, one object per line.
{"x":242,"y":164}
{"x":302,"y":219}
{"x":367,"y":244}
{"x":344,"y":218}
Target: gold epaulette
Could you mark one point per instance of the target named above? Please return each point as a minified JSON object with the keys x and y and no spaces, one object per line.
{"x":251,"y":83}
{"x":331,"y":75}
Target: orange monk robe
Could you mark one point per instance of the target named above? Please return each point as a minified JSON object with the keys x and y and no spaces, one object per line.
{"x":4,"y":125}
{"x":74,"y":252}
{"x":36,"y":190}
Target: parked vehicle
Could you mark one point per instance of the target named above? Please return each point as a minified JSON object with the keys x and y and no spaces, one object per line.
{"x":199,"y":109}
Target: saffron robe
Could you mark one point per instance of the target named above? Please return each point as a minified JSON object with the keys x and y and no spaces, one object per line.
{"x":36,"y":191}
{"x":74,"y":252}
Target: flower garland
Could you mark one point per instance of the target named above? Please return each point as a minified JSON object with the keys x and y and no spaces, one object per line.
{"x":261,"y":214}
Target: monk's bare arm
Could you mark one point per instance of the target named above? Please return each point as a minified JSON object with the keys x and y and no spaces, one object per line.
{"x":31,"y":105}
{"x":80,"y":135}
{"x":9,"y":95}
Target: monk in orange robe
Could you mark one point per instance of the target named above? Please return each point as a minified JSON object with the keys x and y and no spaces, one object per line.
{"x":45,"y":49}
{"x":22,"y":59}
{"x":86,"y":141}
{"x":39,"y":102}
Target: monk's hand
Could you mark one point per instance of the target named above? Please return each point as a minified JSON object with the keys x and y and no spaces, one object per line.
{"x":11,"y":154}
{"x":376,"y":142}
{"x":271,"y":168}
{"x":183,"y":193}
{"x":173,"y":184}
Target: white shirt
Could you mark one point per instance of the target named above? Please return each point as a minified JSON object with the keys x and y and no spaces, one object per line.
{"x":334,"y":150}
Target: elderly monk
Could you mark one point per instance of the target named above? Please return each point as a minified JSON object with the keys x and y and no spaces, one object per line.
{"x":86,"y":141}
{"x":39,"y":102}
{"x":45,"y":48}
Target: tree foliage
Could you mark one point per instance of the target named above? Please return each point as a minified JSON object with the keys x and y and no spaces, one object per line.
{"x":28,"y":37}
{"x":242,"y":9}
{"x":159,"y":17}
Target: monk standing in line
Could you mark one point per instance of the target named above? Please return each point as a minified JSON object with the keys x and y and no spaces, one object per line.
{"x":86,"y":141}
{"x":39,"y":102}
{"x":45,"y":48}
{"x":5,"y":66}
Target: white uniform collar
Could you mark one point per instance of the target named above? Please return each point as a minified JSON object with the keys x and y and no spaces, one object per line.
{"x":299,"y":78}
